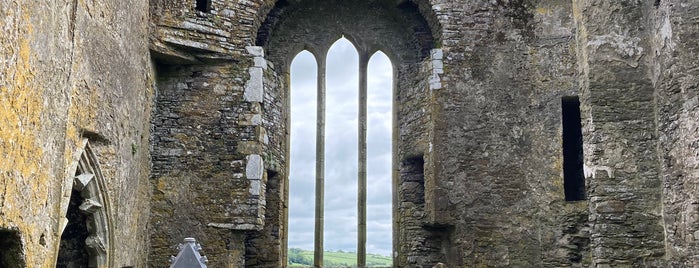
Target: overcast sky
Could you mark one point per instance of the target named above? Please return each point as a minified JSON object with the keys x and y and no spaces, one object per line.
{"x":341,"y":151}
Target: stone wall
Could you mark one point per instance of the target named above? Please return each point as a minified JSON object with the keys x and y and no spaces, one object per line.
{"x":619,"y":124}
{"x":478,"y":163}
{"x":219,"y":132}
{"x":195,"y":136}
{"x":479,"y":133}
{"x":70,"y":71}
{"x":673,"y":28}
{"x":497,"y":134}
{"x":212,"y":150}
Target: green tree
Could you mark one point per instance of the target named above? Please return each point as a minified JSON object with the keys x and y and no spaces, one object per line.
{"x":296,"y":257}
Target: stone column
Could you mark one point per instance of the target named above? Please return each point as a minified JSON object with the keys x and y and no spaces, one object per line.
{"x":284,"y":228}
{"x":320,"y":164}
{"x":361,"y":176}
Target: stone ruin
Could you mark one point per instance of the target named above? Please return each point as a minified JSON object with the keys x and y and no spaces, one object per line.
{"x":527,"y":133}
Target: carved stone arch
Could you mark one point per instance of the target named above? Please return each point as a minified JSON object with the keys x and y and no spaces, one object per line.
{"x":89,"y":184}
{"x":405,"y":30}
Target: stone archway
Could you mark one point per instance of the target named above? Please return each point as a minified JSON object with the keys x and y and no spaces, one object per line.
{"x":87,"y":236}
{"x":409,"y":38}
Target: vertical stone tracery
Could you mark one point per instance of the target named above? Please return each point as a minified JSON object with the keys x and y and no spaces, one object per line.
{"x":320,"y":163}
{"x":397,"y":29}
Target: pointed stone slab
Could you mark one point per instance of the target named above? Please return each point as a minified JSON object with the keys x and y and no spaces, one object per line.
{"x":82,"y":180}
{"x":189,"y":256}
{"x":90,"y":206}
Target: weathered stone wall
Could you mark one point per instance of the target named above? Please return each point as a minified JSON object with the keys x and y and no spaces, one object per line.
{"x":267,"y":248}
{"x":227,"y":28}
{"x":415,"y":245}
{"x":618,"y":127}
{"x":212,"y":150}
{"x":479,"y":157}
{"x":478,"y":160}
{"x":195,"y":164}
{"x":497,"y":134}
{"x":74,"y":70}
{"x":673,"y":31}
{"x":219,"y":132}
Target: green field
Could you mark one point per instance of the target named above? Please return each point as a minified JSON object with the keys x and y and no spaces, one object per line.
{"x":304,"y":258}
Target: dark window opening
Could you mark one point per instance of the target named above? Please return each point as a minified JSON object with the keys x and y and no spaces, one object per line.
{"x":11,"y":249}
{"x":204,"y":5}
{"x":73,"y":249}
{"x":573,"y":178}
{"x":412,"y":187}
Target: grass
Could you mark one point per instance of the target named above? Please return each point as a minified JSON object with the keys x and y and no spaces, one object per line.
{"x":337,"y":259}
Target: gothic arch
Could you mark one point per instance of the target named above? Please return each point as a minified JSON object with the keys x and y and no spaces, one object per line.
{"x":404,"y":30}
{"x":407,"y":32}
{"x":89,"y":184}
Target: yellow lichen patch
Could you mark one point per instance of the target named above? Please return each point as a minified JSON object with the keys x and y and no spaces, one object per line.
{"x":22,"y":163}
{"x":19,"y":117}
{"x":543,"y":11}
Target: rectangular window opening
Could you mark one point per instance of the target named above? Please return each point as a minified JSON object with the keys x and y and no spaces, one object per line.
{"x":573,"y":178}
{"x":204,"y":5}
{"x":413,"y":180}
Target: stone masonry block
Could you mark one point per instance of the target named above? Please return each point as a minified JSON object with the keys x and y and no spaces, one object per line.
{"x":437,"y":67}
{"x":435,"y":82}
{"x":255,"y":187}
{"x":261,"y":134}
{"x":248,"y":147}
{"x":260,"y":62}
{"x":254,"y":89}
{"x":256,"y":51}
{"x":254,"y":167}
{"x":437,"y":54}
{"x":250,"y":120}
{"x":437,"y":64}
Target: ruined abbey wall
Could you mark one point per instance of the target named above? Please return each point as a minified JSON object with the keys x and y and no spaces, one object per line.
{"x":497,"y":135}
{"x":186,"y":112}
{"x":219,"y":137}
{"x":73,"y":71}
{"x":479,"y":173}
{"x":671,"y":27}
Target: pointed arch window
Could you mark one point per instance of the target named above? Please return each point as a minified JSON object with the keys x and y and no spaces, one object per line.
{"x":86,"y":238}
{"x":354,"y":107}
